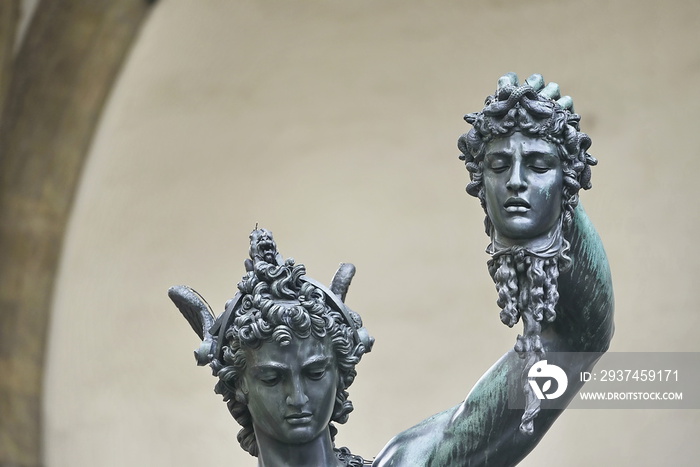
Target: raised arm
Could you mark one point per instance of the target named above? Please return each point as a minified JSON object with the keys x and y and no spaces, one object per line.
{"x":483,"y":431}
{"x":527,"y":160}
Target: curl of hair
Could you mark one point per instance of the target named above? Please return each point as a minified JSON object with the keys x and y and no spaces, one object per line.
{"x":504,"y":275}
{"x":551,"y":293}
{"x":523,"y":109}
{"x":277,"y":306}
{"x":536,"y":279}
{"x":534,"y":291}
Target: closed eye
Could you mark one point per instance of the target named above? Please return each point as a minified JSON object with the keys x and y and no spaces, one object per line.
{"x":270,"y":380}
{"x":499,"y":168}
{"x":539,"y":169}
{"x":316,"y":374}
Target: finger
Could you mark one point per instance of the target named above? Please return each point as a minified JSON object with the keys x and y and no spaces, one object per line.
{"x":551,"y":91}
{"x":509,"y":79}
{"x":535,"y":81}
{"x":567,"y":103}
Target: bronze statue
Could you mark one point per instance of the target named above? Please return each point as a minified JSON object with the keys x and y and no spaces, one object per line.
{"x":286,"y":347}
{"x":527,"y":161}
{"x":284,"y":351}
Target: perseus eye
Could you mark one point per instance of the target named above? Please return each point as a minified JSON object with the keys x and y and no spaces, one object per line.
{"x":270,"y":379}
{"x":317,"y":370}
{"x":316,"y":374}
{"x":540,"y":169}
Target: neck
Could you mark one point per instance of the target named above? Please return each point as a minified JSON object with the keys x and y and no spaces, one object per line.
{"x":546,"y":245}
{"x":316,"y":453}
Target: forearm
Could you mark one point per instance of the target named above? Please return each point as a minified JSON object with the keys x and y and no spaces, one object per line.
{"x":586,"y":305}
{"x":583,"y":325}
{"x":483,"y":430}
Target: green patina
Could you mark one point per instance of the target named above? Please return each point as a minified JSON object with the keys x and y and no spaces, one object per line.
{"x":475,"y":426}
{"x":591,"y":249}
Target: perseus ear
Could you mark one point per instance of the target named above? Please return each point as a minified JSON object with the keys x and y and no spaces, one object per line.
{"x":242,"y":392}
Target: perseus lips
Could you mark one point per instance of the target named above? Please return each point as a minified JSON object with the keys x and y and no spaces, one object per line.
{"x":298,"y":418}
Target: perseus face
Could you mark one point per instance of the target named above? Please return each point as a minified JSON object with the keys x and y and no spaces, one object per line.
{"x":523,"y":182}
{"x":291,"y":390}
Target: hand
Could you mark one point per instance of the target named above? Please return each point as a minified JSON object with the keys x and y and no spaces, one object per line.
{"x":536,"y":82}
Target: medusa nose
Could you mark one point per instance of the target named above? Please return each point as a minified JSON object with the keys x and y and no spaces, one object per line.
{"x":516,"y":181}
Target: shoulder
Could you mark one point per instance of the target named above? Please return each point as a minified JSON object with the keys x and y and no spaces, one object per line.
{"x":415,"y":446}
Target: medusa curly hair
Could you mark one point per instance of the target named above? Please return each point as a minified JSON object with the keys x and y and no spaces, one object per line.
{"x":527,"y":278}
{"x":277,"y":305}
{"x":521,"y":108}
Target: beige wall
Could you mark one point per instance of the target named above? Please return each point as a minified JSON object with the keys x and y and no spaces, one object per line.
{"x":334,"y":125}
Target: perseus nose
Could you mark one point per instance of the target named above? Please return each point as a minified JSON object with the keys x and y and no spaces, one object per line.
{"x":297,"y":396}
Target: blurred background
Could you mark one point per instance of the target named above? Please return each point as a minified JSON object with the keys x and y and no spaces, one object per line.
{"x":334,"y":125}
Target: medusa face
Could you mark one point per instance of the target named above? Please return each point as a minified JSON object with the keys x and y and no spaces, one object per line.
{"x":523,"y":183}
{"x":291,"y":389}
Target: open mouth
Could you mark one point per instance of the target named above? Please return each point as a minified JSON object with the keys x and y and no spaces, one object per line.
{"x":516,"y":205}
{"x":267,"y":249}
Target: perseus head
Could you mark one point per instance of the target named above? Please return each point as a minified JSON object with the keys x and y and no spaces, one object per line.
{"x":527,"y":161}
{"x":289,"y":355}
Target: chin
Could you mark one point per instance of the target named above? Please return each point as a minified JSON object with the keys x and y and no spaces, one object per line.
{"x":303,"y":435}
{"x":518,"y":233}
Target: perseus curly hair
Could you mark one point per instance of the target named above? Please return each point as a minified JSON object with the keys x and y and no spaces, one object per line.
{"x":277,"y":305}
